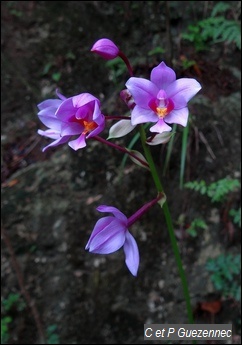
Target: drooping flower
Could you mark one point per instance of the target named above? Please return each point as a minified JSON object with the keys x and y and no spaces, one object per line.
{"x":162,"y":99}
{"x":67,"y":117}
{"x":106,"y":49}
{"x":110,"y":234}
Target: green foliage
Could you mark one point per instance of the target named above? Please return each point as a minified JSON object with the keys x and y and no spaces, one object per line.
{"x":188,"y":63}
{"x":52,"y":337}
{"x":4,"y":329}
{"x":155,"y":51}
{"x":196,"y":224}
{"x":216,"y":28}
{"x":225,"y":273}
{"x":118,"y":68}
{"x":13,"y":300}
{"x":236,"y":214}
{"x":216,"y":191}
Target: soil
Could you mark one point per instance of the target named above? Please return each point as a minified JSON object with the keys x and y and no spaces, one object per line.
{"x":49,"y":199}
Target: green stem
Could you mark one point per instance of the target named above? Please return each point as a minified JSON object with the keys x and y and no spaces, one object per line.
{"x":168,"y":223}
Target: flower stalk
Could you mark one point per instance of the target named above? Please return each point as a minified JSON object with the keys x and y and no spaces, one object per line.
{"x":169,"y":224}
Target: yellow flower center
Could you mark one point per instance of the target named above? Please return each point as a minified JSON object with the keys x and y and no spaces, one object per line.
{"x":162,"y":112}
{"x":89,"y":126}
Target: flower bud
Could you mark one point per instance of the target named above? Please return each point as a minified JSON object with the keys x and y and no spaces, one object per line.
{"x":106,"y":49}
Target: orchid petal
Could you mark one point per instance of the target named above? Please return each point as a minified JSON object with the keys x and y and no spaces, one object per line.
{"x":109,"y":239}
{"x":99,"y":129}
{"x":131,"y":253}
{"x":179,"y":116}
{"x":141,"y":115}
{"x":72,"y":128}
{"x":66,"y":110}
{"x":142,"y":90}
{"x":118,"y":214}
{"x":54,"y":103}
{"x":100,"y":225}
{"x":50,"y":121}
{"x":82,"y":99}
{"x":49,"y":133}
{"x":160,"y":127}
{"x":57,"y":142}
{"x":162,"y":76}
{"x":78,"y":143}
{"x":185,"y":88}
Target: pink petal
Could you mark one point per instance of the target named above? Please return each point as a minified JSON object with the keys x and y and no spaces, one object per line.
{"x":100,"y":225}
{"x":179,"y":116}
{"x":118,"y":214}
{"x":162,"y":76}
{"x":131,"y":253}
{"x":141,"y":115}
{"x":71,"y":128}
{"x":55,"y":103}
{"x":78,"y":143}
{"x":142,"y":90}
{"x":109,"y":239}
{"x":57,"y":142}
{"x":182,"y":90}
{"x":82,"y":99}
{"x":160,"y":127}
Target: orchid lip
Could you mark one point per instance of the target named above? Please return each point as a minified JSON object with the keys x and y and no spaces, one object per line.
{"x":162,"y":107}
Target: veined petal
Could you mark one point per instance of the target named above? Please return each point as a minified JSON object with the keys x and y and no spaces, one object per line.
{"x":110,"y":239}
{"x":55,"y":103}
{"x":82,"y":99}
{"x":49,"y":133}
{"x":179,"y":116}
{"x":51,"y":122}
{"x":71,"y":128}
{"x":57,"y":142}
{"x":65,"y":110}
{"x":141,"y":115}
{"x":100,"y":225}
{"x":118,"y":214}
{"x":183,"y":87}
{"x":48,"y":111}
{"x":85,"y":111}
{"x":78,"y":143}
{"x":162,"y":76}
{"x":142,"y":90}
{"x":160,"y":127}
{"x":120,"y":128}
{"x":131,"y":253}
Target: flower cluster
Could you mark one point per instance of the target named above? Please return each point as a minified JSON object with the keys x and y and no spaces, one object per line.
{"x":160,"y":102}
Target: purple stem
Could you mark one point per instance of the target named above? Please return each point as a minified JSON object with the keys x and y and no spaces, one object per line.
{"x":120,"y":148}
{"x":110,"y":117}
{"x":143,"y":209}
{"x":126,"y":61}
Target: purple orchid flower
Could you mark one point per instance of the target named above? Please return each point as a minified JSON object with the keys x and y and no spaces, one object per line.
{"x":110,"y":234}
{"x":106,"y":49}
{"x":162,"y":99}
{"x":67,"y":117}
